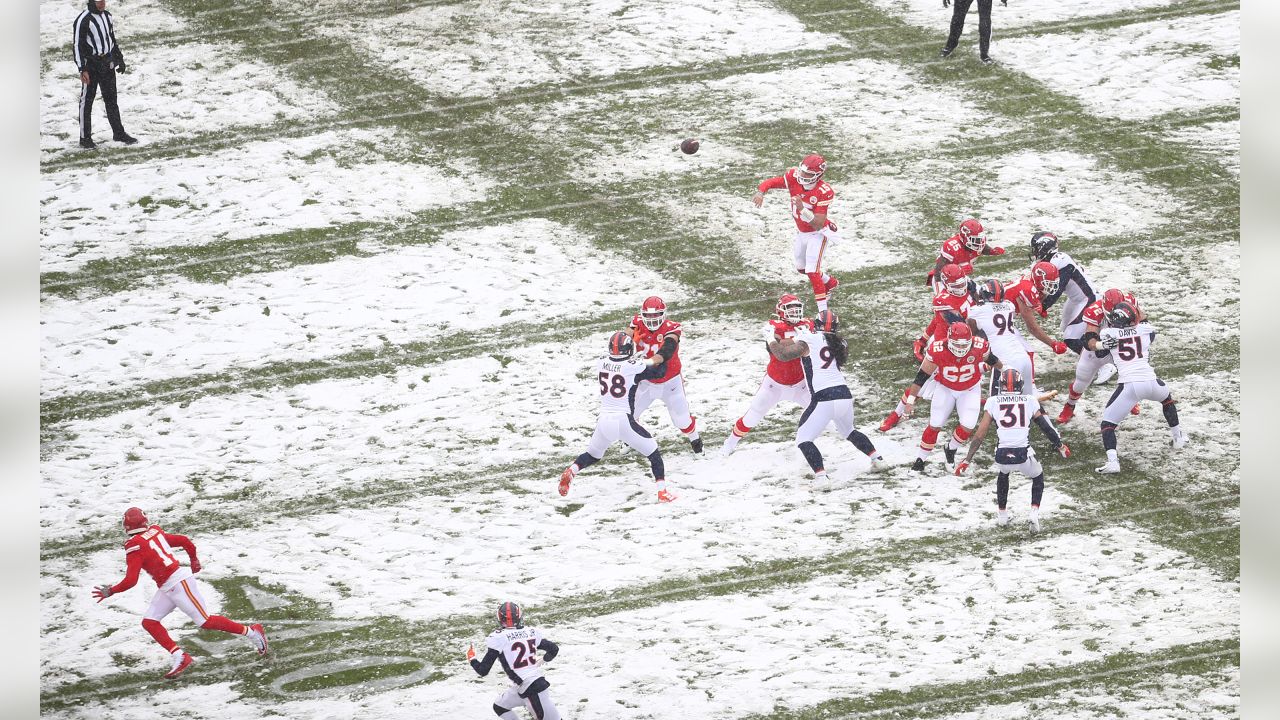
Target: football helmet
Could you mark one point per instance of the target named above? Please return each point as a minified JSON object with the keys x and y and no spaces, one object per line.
{"x":790,"y":309}
{"x":653,"y":312}
{"x":620,"y":346}
{"x":990,"y":291}
{"x":959,"y":338}
{"x":1010,"y":382}
{"x":135,"y":521}
{"x":973,"y":235}
{"x":810,"y":170}
{"x":1111,"y":298}
{"x":955,"y":280}
{"x":510,"y":616}
{"x":826,"y":322}
{"x":1045,"y":276}
{"x":1123,"y":315}
{"x":1043,"y":245}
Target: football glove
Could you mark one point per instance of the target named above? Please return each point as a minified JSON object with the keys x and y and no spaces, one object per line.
{"x":471,"y":653}
{"x":962,"y":468}
{"x":908,"y":407}
{"x":102,"y":592}
{"x":1109,"y":342}
{"x":195,"y":565}
{"x":997,"y":251}
{"x":1059,"y":347}
{"x":1064,"y":451}
{"x":769,"y":333}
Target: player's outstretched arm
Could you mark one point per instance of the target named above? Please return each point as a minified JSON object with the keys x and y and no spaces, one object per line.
{"x":927,"y":368}
{"x":483,"y":666}
{"x":1033,"y":327}
{"x":978,"y":436}
{"x":134,"y":567}
{"x":788,"y":349}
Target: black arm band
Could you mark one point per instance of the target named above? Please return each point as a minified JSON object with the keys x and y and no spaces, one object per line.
{"x":992,"y":359}
{"x":1049,"y":431}
{"x":922,"y":377}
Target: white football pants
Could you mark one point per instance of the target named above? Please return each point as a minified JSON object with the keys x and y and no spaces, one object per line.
{"x":966,"y":403}
{"x":615,"y":426}
{"x":671,"y":394}
{"x":1127,"y":394}
{"x":539,"y":704}
{"x":771,"y":393}
{"x":180,"y":592}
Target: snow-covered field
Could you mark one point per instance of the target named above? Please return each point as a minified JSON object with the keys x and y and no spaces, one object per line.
{"x":364,"y":443}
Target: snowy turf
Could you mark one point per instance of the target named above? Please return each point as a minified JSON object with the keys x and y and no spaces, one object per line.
{"x":130,"y":17}
{"x":261,"y":188}
{"x":1020,"y":13}
{"x":1220,"y":140}
{"x":1139,"y":71}
{"x":315,"y":311}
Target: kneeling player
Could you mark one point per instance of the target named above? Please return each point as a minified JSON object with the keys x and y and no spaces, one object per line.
{"x":783,"y":381}
{"x":1129,"y":342}
{"x":956,"y":364}
{"x":516,"y":648}
{"x":822,"y":353}
{"x":1013,"y":410}
{"x":618,"y":375}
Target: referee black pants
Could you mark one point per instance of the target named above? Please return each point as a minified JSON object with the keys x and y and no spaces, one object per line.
{"x":105,"y":78}
{"x":960,"y":8}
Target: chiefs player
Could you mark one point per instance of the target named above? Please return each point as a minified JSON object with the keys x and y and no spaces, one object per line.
{"x":810,"y":200}
{"x":961,"y":249}
{"x":783,"y":380}
{"x":956,"y":364}
{"x":993,"y":316}
{"x":1089,"y":364}
{"x":654,"y":335}
{"x":950,"y":303}
{"x":151,"y":548}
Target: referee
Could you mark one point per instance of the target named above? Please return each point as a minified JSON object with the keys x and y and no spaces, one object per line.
{"x":984,"y":27}
{"x":97,"y":56}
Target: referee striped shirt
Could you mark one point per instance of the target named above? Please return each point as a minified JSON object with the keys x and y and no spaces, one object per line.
{"x":94,"y":36}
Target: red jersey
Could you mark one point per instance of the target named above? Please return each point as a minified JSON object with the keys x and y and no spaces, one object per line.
{"x":818,"y":198}
{"x":1025,"y":292}
{"x":955,"y":251}
{"x":1095,"y":315}
{"x":152,"y":550}
{"x":958,"y":373}
{"x":946,"y":302}
{"x":649,"y":342}
{"x":787,"y":372}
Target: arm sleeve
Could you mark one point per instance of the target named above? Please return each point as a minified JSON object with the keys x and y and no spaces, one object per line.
{"x":482,"y":667}
{"x":1065,"y":275}
{"x":668,"y":349}
{"x":134,"y":560}
{"x":773,"y":183}
{"x":951,"y":316}
{"x":1042,"y":421}
{"x":183,"y":542}
{"x":549,"y":649}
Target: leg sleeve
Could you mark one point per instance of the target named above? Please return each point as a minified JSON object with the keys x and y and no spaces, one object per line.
{"x":638,"y":438}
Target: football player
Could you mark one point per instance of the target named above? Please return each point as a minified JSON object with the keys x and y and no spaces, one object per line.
{"x":1092,"y":364}
{"x":1013,"y":409}
{"x":783,"y":380}
{"x":516,"y":647}
{"x":1129,"y":340}
{"x":619,"y":375}
{"x":957,"y":365}
{"x":150,"y":548}
{"x":993,"y":317}
{"x":658,"y":338}
{"x":822,"y":352}
{"x":810,"y":201}
{"x":961,"y":249}
{"x":950,"y":304}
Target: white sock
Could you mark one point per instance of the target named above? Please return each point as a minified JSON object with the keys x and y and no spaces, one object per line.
{"x":1113,"y":456}
{"x":731,"y":441}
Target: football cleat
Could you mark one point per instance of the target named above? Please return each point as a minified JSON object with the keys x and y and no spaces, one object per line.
{"x":879,"y":465}
{"x":946,"y":52}
{"x":566,"y":477}
{"x":1068,"y":412}
{"x":88,"y":143}
{"x":181,"y":661}
{"x":1033,"y":521}
{"x":1179,"y":438}
{"x":1136,"y":409}
{"x":1112,"y":466}
{"x":889,"y":421}
{"x":665,"y":496}
{"x":951,"y":454}
{"x":986,"y":60}
{"x":259,"y":638}
{"x":510,"y":616}
{"x":653,"y":312}
{"x":918,"y":465}
{"x":697,"y":446}
{"x":134,"y":521}
{"x":1105,"y":373}
{"x":1003,"y":517}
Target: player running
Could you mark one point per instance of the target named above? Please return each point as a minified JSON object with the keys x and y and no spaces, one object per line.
{"x":655,"y":336}
{"x":783,"y":381}
{"x":961,"y":249}
{"x":810,"y":201}
{"x":1129,"y":341}
{"x":150,"y":548}
{"x":516,"y":647}
{"x":1013,"y":410}
{"x":822,"y":353}
{"x":619,"y":376}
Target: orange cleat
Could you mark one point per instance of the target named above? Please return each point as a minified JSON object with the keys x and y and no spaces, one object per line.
{"x":890,"y":421}
{"x":1068,"y":412}
{"x":665,"y":496}
{"x":566,"y":477}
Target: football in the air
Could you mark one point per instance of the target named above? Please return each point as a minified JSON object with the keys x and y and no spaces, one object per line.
{"x":689,"y":146}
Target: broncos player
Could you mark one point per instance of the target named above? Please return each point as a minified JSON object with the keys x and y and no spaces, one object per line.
{"x":993,"y":317}
{"x":656,"y":336}
{"x":619,"y":375}
{"x":516,"y":648}
{"x":822,"y":352}
{"x":1092,"y":366}
{"x":783,"y":381}
{"x":1013,"y":410}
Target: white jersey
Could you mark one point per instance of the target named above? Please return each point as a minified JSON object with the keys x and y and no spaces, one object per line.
{"x":518,"y":652}
{"x":1012,"y":415}
{"x":821,"y":371}
{"x":1080,"y":291}
{"x":996,"y":321}
{"x":1132,"y":353}
{"x":618,"y":383}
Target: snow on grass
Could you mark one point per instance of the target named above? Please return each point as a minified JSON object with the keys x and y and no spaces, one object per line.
{"x":197,"y":701}
{"x":1219,"y":139}
{"x":478,"y":49}
{"x":130,"y":17}
{"x":173,"y":92}
{"x":1020,"y":13}
{"x":263,"y":187}
{"x":1138,"y":71}
{"x":467,"y":280}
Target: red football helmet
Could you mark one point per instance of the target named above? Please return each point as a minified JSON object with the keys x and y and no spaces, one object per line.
{"x":810,"y":170}
{"x":653,"y":312}
{"x":1045,"y":276}
{"x":1111,"y":297}
{"x":971,"y":231}
{"x":134,"y":521}
{"x":790,"y":309}
{"x":956,"y":282}
{"x":959,"y":338}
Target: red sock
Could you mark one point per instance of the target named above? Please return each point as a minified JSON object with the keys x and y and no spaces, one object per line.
{"x":217,"y":622}
{"x":739,"y":429}
{"x":819,"y":287}
{"x":961,"y":434}
{"x":928,"y":438}
{"x":160,"y":634}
